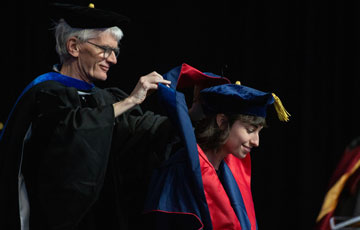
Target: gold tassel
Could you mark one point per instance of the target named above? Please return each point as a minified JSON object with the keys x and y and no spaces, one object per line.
{"x":91,"y":5}
{"x":281,"y":111}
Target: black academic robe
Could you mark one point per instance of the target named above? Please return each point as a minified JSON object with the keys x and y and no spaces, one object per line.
{"x":83,"y":168}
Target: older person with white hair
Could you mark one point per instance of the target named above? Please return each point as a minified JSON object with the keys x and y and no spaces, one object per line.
{"x":73,"y":155}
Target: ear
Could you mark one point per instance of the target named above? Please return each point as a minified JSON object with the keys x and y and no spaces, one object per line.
{"x":221,"y":121}
{"x":72,"y":46}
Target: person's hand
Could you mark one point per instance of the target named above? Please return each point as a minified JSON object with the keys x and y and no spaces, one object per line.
{"x":145,"y":86}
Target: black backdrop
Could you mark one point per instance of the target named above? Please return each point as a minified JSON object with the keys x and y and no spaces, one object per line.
{"x":305,"y":51}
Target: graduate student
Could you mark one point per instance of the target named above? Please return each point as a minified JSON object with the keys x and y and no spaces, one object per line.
{"x":73,"y":155}
{"x":207,"y":183}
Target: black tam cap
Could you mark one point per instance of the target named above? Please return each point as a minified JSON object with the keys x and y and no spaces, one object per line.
{"x":87,"y":17}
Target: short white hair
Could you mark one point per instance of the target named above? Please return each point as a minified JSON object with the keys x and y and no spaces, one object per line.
{"x":64,"y":31}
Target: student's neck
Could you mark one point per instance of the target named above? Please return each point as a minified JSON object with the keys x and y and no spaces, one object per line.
{"x":215,"y":157}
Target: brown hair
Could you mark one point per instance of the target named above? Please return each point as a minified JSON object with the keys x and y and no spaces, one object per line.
{"x":210,"y":136}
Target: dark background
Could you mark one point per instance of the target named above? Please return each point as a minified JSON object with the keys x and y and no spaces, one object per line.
{"x":305,"y":51}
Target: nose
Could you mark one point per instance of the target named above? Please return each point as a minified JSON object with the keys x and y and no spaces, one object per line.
{"x":255,"y":140}
{"x":112,"y":58}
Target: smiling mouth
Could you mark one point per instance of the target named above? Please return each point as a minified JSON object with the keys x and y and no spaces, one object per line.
{"x":247,"y":149}
{"x":104,"y":68}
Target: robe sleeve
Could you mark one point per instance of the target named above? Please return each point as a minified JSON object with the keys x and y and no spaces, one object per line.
{"x":142,"y":141}
{"x":71,"y":147}
{"x":138,"y":134}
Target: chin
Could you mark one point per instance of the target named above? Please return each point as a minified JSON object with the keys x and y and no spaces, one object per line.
{"x":100,"y":77}
{"x":240,"y":155}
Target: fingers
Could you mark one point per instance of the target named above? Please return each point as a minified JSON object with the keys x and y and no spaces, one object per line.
{"x":146,"y":85}
{"x":151,"y":81}
{"x":157,"y":78}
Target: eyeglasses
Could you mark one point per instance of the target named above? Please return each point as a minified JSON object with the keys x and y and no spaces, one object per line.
{"x":107,"y":50}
